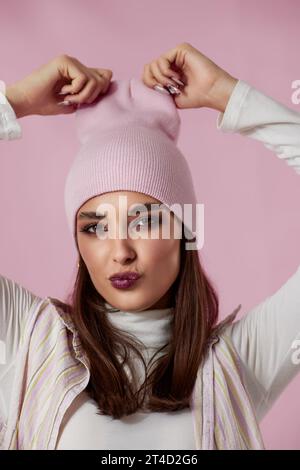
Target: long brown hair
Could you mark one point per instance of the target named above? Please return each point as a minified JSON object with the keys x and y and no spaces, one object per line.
{"x":169,"y":384}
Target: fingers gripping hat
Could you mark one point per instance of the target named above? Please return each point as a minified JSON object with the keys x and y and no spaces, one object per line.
{"x":128,"y":142}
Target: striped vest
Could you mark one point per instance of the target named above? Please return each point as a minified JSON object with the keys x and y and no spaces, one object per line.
{"x":52,"y":369}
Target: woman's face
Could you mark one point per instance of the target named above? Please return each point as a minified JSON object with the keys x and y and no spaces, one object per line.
{"x":157,"y":260}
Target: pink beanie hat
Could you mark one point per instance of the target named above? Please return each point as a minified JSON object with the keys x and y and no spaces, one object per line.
{"x":128,"y":142}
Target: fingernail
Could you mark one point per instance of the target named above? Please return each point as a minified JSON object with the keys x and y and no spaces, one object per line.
{"x":173,"y":90}
{"x":178,"y":81}
{"x":63,"y":93}
{"x":161,"y":89}
{"x":66,"y":103}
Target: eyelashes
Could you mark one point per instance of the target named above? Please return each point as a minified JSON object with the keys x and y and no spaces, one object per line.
{"x":154,"y":219}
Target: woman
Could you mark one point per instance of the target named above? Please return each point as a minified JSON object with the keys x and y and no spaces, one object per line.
{"x":62,"y":384}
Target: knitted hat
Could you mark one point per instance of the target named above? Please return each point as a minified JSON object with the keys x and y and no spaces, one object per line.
{"x":128,"y":142}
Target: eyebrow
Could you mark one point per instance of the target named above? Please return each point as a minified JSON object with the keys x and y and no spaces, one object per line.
{"x":137,"y":207}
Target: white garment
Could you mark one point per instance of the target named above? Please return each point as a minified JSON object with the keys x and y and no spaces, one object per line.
{"x":146,"y":430}
{"x":10,"y":128}
{"x":263,"y":337}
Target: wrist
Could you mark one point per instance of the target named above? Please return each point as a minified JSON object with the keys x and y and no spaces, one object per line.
{"x":221,"y":91}
{"x":17,"y":101}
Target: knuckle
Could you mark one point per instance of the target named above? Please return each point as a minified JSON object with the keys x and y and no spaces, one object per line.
{"x":84,"y":95}
{"x":186,"y":44}
{"x":81,"y":78}
{"x":63,"y":57}
{"x":107,"y":73}
{"x":93,"y":81}
{"x":92,"y":98}
{"x":163,"y":64}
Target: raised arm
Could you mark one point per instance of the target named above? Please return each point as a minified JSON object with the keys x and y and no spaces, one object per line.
{"x":38,"y":93}
{"x":255,"y":114}
{"x":42,"y":91}
{"x":266,"y":338}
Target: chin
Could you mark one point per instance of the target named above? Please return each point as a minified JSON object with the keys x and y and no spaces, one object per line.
{"x":133,"y":306}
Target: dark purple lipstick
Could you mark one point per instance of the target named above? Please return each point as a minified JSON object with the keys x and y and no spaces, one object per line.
{"x":123,"y":280}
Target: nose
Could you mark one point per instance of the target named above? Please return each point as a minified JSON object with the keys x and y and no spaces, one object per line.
{"x":123,"y":251}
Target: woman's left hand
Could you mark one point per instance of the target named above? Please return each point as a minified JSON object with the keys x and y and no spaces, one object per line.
{"x":205,"y":83}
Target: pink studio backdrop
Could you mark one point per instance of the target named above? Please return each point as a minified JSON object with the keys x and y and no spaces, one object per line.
{"x":251,"y":198}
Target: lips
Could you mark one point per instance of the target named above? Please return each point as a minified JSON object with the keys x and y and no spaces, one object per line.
{"x":124,"y":280}
{"x":132,"y":276}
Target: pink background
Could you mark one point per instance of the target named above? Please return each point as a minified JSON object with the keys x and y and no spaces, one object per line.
{"x":251,"y":198}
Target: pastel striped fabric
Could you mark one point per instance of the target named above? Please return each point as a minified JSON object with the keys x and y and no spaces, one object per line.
{"x":223,"y":414}
{"x":53,"y":369}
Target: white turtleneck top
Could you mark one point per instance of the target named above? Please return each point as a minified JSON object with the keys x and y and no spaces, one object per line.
{"x":142,"y":430}
{"x":265,"y":337}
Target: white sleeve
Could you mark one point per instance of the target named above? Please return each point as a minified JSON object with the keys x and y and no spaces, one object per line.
{"x":254,"y":114}
{"x":9,"y":125}
{"x":267,"y":338}
{"x":15,"y":303}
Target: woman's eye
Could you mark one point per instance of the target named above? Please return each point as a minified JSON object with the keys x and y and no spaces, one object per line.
{"x":154,"y":221}
{"x":87,"y":228}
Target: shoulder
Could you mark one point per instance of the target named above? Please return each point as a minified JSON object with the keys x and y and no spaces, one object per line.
{"x":47,"y":314}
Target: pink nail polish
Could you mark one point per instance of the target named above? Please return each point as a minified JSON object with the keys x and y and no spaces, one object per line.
{"x":161,"y":89}
{"x":179,"y":82}
{"x":173,"y":90}
{"x":65,"y":103}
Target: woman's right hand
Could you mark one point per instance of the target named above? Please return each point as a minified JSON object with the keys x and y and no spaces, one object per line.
{"x":205,"y":84}
{"x":38,"y":93}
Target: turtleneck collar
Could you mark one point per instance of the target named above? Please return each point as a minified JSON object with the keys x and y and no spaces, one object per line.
{"x":152,"y":327}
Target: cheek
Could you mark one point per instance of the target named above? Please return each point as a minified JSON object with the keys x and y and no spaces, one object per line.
{"x":92,"y":254}
{"x":163,"y":257}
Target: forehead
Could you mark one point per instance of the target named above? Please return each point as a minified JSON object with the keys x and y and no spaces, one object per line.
{"x":114,"y":198}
